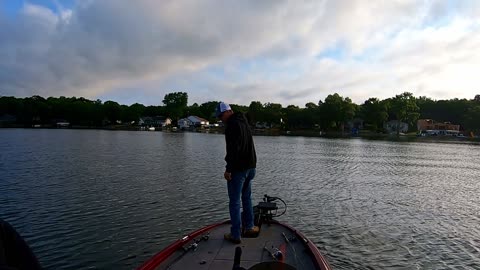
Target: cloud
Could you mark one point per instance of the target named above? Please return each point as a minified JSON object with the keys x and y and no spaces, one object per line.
{"x":239,"y":51}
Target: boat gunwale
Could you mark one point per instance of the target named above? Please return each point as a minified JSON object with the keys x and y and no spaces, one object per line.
{"x":165,"y":253}
{"x":312,"y":247}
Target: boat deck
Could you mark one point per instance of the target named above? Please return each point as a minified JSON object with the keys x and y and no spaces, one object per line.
{"x":216,"y":253}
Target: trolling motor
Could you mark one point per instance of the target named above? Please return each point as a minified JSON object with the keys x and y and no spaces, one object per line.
{"x":266,"y":210}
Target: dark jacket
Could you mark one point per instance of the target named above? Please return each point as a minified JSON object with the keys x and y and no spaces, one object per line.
{"x":240,"y":148}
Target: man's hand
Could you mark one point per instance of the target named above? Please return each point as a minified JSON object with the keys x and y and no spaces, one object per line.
{"x":227,"y":175}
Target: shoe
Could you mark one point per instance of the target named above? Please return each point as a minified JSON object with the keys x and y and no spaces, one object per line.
{"x":229,"y":237}
{"x":253,"y":232}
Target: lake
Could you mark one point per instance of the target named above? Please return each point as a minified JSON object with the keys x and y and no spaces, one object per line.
{"x":95,"y":199}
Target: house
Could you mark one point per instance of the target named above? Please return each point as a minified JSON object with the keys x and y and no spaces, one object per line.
{"x":356,"y":123}
{"x":262,"y":125}
{"x":433,"y":128}
{"x":198,"y":121}
{"x":394,"y":126}
{"x":156,"y":121}
{"x":63,"y":124}
{"x":144,"y":121}
{"x":184,"y":123}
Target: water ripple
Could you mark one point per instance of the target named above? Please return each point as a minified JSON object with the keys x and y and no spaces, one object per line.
{"x":99,"y":199}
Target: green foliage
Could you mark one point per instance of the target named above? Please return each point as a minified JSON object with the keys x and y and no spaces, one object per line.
{"x":335,"y":111}
{"x":332,"y":113}
{"x":472,"y":118}
{"x":112,"y":110}
{"x":256,"y":112}
{"x":134,"y":112}
{"x":155,"y":111}
{"x":404,"y":108}
{"x":176,"y":104}
{"x":239,"y":108}
{"x":374,"y":113}
{"x":273,"y":113}
{"x":454,"y":110}
{"x":293,"y":117}
{"x":205,"y":110}
{"x":311,"y":105}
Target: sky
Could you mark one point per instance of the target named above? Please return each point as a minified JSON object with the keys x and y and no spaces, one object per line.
{"x":288,"y":52}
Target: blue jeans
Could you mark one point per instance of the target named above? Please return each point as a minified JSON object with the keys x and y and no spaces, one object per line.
{"x":240,"y":187}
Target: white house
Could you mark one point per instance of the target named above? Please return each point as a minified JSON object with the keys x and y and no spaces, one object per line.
{"x":184,"y":123}
{"x":391,"y":126}
{"x":263,"y":125}
{"x":198,"y":121}
{"x":157,"y":121}
{"x":63,"y":124}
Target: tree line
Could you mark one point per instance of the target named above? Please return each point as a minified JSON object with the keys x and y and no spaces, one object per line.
{"x":331,"y":114}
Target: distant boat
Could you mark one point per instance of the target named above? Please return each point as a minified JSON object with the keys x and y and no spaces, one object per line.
{"x":151,"y":128}
{"x":277,"y":246}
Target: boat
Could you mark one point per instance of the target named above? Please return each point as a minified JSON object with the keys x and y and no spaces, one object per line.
{"x":277,"y":246}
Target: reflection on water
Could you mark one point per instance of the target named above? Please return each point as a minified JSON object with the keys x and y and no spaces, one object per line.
{"x":103,"y":199}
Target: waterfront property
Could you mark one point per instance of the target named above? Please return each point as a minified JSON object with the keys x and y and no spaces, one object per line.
{"x":63,"y":124}
{"x":434,"y":128}
{"x":193,"y":121}
{"x":184,"y":123}
{"x":198,"y":121}
{"x":156,"y":121}
{"x":395,"y":126}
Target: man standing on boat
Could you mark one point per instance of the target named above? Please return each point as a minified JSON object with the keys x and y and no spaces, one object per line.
{"x":240,"y":170}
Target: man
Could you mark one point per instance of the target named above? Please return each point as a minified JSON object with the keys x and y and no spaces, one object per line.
{"x":240,"y":170}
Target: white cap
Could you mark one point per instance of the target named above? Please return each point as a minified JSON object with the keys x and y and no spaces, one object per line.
{"x":221,"y":108}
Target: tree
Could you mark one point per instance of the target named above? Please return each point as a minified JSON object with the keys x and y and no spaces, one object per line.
{"x":273,"y":113}
{"x":337,"y":110}
{"x":112,"y":111}
{"x":176,"y":104}
{"x":292,"y":117}
{"x":311,"y":105}
{"x":472,"y":118}
{"x":135,"y":111}
{"x":194,"y":109}
{"x":374,"y":112}
{"x":256,"y":112}
{"x":311,"y":114}
{"x":208,"y":110}
{"x":10,"y":105}
{"x":405,"y":109}
{"x":239,"y":108}
{"x":155,"y":110}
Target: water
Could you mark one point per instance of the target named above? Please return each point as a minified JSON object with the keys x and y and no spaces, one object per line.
{"x":89,"y":199}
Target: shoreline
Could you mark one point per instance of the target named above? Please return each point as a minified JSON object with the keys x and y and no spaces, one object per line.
{"x":411,"y":137}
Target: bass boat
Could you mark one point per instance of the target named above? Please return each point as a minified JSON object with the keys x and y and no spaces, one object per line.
{"x":277,"y":246}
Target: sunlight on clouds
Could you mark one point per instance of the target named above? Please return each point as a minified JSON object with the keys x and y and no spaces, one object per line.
{"x":42,"y":14}
{"x":279,"y":51}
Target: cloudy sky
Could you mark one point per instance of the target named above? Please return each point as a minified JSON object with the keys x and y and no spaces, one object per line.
{"x":290,"y":52}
